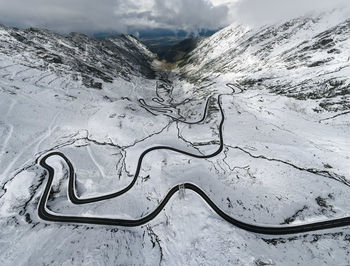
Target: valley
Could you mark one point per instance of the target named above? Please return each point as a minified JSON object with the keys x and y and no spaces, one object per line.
{"x":248,"y":132}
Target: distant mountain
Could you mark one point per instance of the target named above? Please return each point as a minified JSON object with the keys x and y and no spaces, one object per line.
{"x":180,"y":50}
{"x":162,"y":42}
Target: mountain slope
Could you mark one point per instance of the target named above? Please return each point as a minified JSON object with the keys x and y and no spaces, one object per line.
{"x":77,"y":55}
{"x":305,"y":58}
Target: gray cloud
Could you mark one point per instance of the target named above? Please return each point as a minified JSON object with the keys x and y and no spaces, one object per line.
{"x":92,"y":16}
{"x":190,"y":14}
{"x":61,"y":15}
{"x":113,"y":15}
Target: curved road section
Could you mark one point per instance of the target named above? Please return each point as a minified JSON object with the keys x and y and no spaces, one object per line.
{"x":46,"y":214}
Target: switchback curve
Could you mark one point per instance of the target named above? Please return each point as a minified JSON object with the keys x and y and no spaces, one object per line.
{"x":48,"y":215}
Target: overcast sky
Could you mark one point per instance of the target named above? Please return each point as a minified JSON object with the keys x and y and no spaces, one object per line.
{"x":91,"y":16}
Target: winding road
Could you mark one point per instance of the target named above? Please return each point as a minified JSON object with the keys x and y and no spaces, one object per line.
{"x":46,"y":214}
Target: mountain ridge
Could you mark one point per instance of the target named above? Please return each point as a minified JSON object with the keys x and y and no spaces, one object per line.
{"x":304,"y":58}
{"x":93,"y":60}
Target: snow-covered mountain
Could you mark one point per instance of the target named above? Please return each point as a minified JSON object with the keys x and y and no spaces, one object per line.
{"x":77,"y":55}
{"x":283,"y":160}
{"x":305,"y":58}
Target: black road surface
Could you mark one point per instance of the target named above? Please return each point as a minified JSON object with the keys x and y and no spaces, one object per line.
{"x":45,"y":214}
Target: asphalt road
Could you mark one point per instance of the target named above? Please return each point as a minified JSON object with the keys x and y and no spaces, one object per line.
{"x":48,"y":215}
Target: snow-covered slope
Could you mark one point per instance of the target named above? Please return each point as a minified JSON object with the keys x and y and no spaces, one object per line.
{"x":77,"y":55}
{"x":305,"y":58}
{"x":284,"y":161}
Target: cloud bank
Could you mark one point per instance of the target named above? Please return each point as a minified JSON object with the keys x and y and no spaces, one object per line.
{"x":114,"y":15}
{"x":126,"y":16}
{"x":257,"y":12}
